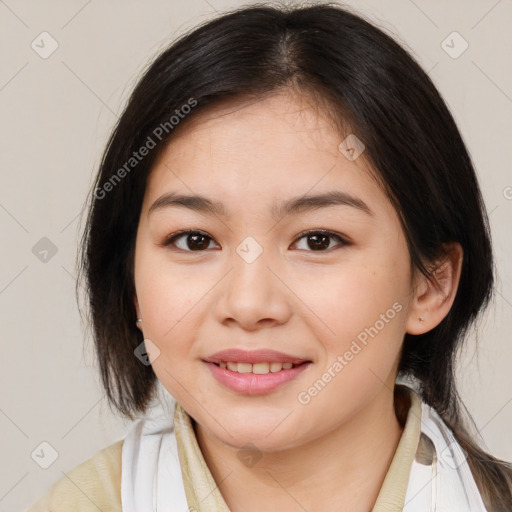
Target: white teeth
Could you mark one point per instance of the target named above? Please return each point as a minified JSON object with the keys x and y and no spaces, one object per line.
{"x":260,"y":368}
{"x":244,"y":367}
{"x":276,"y":367}
{"x":257,"y":368}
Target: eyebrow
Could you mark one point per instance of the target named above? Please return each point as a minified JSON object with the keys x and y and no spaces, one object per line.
{"x":291,"y":206}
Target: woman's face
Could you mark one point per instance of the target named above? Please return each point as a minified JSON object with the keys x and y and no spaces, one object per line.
{"x":260,"y":277}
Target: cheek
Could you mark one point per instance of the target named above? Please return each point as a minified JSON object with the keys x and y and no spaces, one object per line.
{"x":364,"y":306}
{"x":365,"y":311}
{"x":165,"y":296}
{"x":352,"y":298}
{"x":168,"y":303}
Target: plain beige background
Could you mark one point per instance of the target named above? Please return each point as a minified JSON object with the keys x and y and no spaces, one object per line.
{"x":56,"y":115}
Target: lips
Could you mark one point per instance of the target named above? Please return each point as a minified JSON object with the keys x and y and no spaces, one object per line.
{"x":253,"y":357}
{"x":255,"y":372}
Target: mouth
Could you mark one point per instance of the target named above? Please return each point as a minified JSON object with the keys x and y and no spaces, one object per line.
{"x":255,"y":372}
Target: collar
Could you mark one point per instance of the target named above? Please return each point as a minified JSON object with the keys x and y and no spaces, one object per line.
{"x":162,"y":464}
{"x":392,"y":494}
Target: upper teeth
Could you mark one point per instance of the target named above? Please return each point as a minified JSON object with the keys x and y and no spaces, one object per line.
{"x":258,"y":368}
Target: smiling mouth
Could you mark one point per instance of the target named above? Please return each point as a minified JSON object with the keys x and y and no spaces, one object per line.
{"x":257,"y":368}
{"x":256,"y":378}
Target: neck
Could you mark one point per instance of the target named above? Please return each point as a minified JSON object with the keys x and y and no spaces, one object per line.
{"x":343,"y":470}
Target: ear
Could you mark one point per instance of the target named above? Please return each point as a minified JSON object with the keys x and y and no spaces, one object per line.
{"x":137,"y":309}
{"x":434,"y":296}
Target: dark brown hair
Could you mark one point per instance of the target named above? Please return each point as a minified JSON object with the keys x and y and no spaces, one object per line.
{"x":411,"y":141}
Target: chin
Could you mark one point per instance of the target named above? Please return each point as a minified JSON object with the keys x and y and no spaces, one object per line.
{"x":261,"y":443}
{"x":262,"y":434}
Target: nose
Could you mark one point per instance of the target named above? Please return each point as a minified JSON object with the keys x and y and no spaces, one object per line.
{"x":253,"y":295}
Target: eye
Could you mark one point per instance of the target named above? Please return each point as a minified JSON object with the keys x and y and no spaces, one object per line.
{"x":195,"y":241}
{"x":198,"y":241}
{"x":319,"y":240}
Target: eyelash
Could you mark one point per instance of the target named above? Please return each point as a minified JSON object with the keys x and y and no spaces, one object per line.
{"x":175,"y":236}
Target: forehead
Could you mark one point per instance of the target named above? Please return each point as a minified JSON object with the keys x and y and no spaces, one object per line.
{"x":248,"y":151}
{"x":257,"y":124}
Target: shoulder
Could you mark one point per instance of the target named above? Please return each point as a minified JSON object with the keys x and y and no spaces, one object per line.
{"x":93,"y":485}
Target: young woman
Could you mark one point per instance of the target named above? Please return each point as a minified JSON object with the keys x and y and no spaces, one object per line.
{"x":287,"y":233}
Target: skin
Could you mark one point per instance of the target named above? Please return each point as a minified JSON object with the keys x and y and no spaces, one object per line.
{"x":333,"y":452}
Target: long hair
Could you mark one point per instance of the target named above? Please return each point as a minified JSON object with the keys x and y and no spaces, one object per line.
{"x":364,"y":80}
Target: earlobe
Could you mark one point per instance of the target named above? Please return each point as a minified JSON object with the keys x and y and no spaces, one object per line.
{"x":138,"y":323}
{"x":434,"y":296}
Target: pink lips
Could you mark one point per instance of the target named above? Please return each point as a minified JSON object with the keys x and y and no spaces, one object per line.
{"x":250,"y":383}
{"x":253,"y":356}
